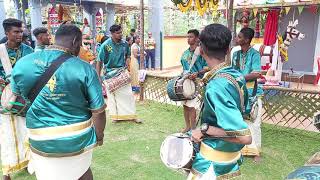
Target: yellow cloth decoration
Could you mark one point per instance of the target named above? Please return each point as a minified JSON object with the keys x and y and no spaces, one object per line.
{"x":283,"y":52}
{"x":201,"y":10}
{"x":99,"y":37}
{"x":214,"y":4}
{"x":185,"y":7}
{"x":86,"y":55}
{"x":67,"y":15}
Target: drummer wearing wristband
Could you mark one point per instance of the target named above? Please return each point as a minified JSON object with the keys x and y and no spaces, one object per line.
{"x":192,"y":64}
{"x":223,"y":132}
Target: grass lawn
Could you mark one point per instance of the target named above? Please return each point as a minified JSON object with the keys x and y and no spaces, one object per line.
{"x":131,"y":151}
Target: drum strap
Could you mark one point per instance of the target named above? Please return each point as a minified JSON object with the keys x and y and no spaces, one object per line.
{"x":255,"y":88}
{"x":5,"y":60}
{"x":236,"y":85}
{"x":44,"y":78}
{"x":194,"y":57}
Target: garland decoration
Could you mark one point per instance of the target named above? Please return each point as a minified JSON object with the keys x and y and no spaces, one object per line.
{"x":201,"y":6}
{"x":214,"y":4}
{"x":185,"y":6}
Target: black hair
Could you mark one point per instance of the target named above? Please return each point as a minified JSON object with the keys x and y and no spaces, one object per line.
{"x":133,"y":30}
{"x":215,"y":40}
{"x":11,"y":22}
{"x":39,"y":30}
{"x":135,"y":38}
{"x":115,"y":28}
{"x":194,"y":32}
{"x":248,"y":33}
{"x":25,"y":35}
{"x":67,"y":33}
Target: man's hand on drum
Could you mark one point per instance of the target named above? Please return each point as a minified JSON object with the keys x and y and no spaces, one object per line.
{"x":128,"y":63}
{"x":196,"y":136}
{"x":2,"y":81}
{"x":193,"y":76}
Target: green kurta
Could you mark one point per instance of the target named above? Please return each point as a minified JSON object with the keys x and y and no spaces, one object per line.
{"x":248,"y":63}
{"x":222,"y":109}
{"x":67,"y":99}
{"x":113,"y":55}
{"x":186,"y":59}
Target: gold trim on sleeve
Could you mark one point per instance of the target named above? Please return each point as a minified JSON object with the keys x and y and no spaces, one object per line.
{"x":99,"y":110}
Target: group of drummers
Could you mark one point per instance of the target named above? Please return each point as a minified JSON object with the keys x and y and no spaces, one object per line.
{"x":63,"y":96}
{"x":229,"y":101}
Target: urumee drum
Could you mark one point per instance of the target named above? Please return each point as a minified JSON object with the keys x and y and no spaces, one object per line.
{"x":181,"y":88}
{"x":306,"y":173}
{"x":177,"y":151}
{"x":120,"y":78}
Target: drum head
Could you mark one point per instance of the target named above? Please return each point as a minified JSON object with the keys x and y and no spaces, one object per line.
{"x":176,"y":151}
{"x":189,"y":88}
{"x":306,"y":172}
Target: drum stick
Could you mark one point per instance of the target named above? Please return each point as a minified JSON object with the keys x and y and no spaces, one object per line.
{"x":219,"y":137}
{"x":207,"y":137}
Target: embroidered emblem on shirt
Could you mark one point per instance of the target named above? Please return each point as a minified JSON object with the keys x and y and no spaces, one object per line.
{"x":52,"y":83}
{"x":39,"y":62}
{"x":13,"y":60}
{"x":109,"y":48}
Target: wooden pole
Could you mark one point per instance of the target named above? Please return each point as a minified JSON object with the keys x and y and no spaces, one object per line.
{"x":231,"y":21}
{"x":142,"y":34}
{"x":141,"y":46}
{"x":230,"y":15}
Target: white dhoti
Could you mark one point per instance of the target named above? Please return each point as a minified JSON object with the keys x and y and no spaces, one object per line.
{"x":193,"y":103}
{"x":62,"y":168}
{"x":14,"y":147}
{"x":209,"y":175}
{"x":121,"y":104}
{"x":254,"y":149}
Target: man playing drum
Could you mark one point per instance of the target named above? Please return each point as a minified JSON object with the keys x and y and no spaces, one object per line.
{"x":247,"y":61}
{"x":223,"y":131}
{"x":189,"y":106}
{"x":67,"y":118}
{"x":13,"y":130}
{"x":114,"y":55}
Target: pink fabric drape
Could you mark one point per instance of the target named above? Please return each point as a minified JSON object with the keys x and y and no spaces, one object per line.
{"x":271,"y":28}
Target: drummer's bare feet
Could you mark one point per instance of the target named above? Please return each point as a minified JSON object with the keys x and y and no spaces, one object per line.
{"x":257,"y":159}
{"x":185,"y":130}
{"x":138,"y":121}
